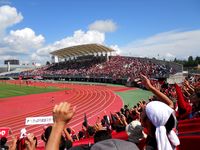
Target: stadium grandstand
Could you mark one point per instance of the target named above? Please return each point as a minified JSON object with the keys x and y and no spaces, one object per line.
{"x":98,"y":63}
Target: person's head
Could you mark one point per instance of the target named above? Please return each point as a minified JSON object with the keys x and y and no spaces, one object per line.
{"x":103,"y":122}
{"x":114,"y":144}
{"x":125,"y":106}
{"x":159,"y":120}
{"x":127,"y":112}
{"x":3,"y":141}
{"x":119,"y":127}
{"x":25,"y":142}
{"x":144,"y":102}
{"x":91,"y":130}
{"x":80,"y":134}
{"x":102,"y":135}
{"x":122,"y":110}
{"x":46,"y":134}
{"x":134,"y":131}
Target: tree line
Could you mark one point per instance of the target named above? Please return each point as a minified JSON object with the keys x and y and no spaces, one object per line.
{"x":190,"y":62}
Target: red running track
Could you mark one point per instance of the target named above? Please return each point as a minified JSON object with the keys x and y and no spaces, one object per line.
{"x":90,"y":99}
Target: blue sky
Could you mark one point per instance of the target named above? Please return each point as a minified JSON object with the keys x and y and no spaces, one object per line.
{"x":131,"y":23}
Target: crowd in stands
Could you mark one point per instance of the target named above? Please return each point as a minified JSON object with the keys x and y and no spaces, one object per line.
{"x":149,"y":125}
{"x":117,"y":67}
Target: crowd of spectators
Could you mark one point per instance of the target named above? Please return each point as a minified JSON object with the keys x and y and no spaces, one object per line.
{"x":150,"y":125}
{"x":117,"y":67}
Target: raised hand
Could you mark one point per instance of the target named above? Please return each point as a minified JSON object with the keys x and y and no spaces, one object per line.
{"x":146,"y":81}
{"x":30,"y":142}
{"x":63,"y":113}
{"x":98,"y":126}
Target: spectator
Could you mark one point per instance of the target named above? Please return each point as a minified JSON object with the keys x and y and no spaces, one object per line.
{"x":62,"y":114}
{"x":159,"y":120}
{"x":102,"y":135}
{"x":3,"y":145}
{"x":27,"y":143}
{"x":135,"y":132}
{"x":114,"y":144}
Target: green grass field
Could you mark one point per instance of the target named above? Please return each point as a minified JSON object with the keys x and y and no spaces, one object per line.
{"x":132,"y":97}
{"x":10,"y":90}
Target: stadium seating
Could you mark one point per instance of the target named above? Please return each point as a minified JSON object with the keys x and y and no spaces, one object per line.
{"x":189,"y":142}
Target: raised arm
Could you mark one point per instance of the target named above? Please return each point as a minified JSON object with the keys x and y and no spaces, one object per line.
{"x":62,"y":114}
{"x":159,"y":94}
{"x":67,"y":135}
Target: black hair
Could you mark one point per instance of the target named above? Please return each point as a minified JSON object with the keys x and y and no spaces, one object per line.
{"x":46,"y":134}
{"x":80,"y":134}
{"x":143,"y":102}
{"x":65,"y":144}
{"x":103,"y":122}
{"x":170,"y":123}
{"x":122,"y":110}
{"x":119,"y":128}
{"x":3,"y":141}
{"x":69,"y":130}
{"x":91,"y":131}
{"x":125,"y":106}
{"x":118,"y":113}
{"x":101,"y":135}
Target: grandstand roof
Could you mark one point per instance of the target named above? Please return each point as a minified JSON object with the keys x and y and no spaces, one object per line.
{"x":81,"y":50}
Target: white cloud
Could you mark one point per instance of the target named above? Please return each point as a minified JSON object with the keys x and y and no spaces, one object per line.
{"x":16,"y":44}
{"x":116,"y":48}
{"x":23,"y":40}
{"x":8,"y":17}
{"x":103,"y":26}
{"x":180,"y":44}
{"x":20,"y":44}
{"x":79,"y":37}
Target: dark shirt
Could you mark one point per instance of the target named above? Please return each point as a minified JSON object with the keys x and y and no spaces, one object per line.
{"x":4,"y":147}
{"x":151,"y":143}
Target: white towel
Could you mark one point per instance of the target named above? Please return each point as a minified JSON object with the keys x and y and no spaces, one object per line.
{"x":159,"y":113}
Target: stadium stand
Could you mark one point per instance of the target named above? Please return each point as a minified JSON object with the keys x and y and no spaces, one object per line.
{"x":95,"y":63}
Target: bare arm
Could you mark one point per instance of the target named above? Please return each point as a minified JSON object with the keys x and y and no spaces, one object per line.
{"x":68,"y":135}
{"x":62,"y":114}
{"x":14,"y":143}
{"x":190,"y":87}
{"x":159,"y":94}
